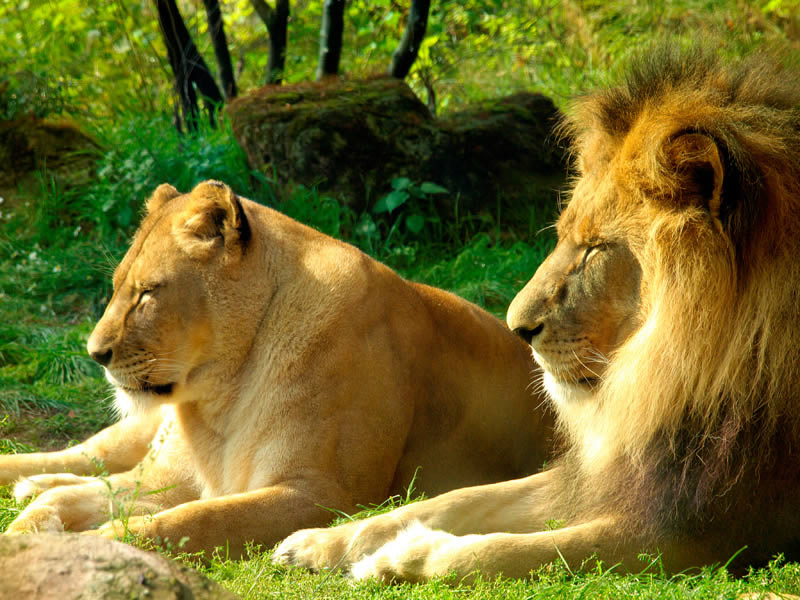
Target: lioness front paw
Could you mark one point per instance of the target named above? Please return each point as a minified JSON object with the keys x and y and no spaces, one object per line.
{"x":31,"y":486}
{"x":118,"y":529}
{"x":36,"y":519}
{"x":26,"y":488}
{"x":313,"y":549}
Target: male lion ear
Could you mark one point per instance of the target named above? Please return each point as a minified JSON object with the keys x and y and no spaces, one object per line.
{"x":163,"y":194}
{"x":214,"y":219}
{"x":696,"y":160}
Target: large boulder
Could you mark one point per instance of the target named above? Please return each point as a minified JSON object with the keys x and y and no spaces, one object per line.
{"x":352,"y":138}
{"x":30,"y":145}
{"x":72,"y":566}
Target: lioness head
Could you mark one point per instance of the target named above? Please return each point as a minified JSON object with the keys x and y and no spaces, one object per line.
{"x":160,"y":332}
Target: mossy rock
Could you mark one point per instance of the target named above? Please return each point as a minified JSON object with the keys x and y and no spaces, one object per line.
{"x":30,"y":146}
{"x":351,"y":138}
{"x":67,"y":566}
{"x":503,"y":154}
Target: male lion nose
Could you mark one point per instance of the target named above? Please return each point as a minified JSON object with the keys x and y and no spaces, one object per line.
{"x":101,"y":355}
{"x":527,"y":333}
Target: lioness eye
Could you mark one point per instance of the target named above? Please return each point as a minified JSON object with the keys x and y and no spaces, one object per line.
{"x":146,"y":294}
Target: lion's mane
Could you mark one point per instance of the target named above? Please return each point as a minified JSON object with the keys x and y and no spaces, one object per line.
{"x":697,"y":415}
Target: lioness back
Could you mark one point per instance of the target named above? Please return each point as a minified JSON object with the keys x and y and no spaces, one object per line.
{"x":459,"y":379}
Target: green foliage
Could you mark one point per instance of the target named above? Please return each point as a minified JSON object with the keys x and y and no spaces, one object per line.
{"x":102,"y":59}
{"x":87,"y":57}
{"x":147,"y":151}
{"x":418,"y":214}
{"x":29,"y":93}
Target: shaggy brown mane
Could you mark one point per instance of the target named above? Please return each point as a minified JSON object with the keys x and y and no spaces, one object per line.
{"x":700,"y":403}
{"x":750,"y":108}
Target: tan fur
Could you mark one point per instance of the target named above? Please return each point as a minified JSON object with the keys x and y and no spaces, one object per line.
{"x":268,"y":371}
{"x":677,"y":270}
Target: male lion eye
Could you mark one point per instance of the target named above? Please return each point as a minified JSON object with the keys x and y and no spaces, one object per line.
{"x":591,"y":251}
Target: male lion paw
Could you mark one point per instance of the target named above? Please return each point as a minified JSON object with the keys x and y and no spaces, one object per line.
{"x":36,"y":519}
{"x":313,"y":549}
{"x":416,"y":554}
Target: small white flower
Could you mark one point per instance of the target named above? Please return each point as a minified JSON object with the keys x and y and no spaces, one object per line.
{"x":33,"y":256}
{"x":76,"y":231}
{"x":43,"y":308}
{"x":57,"y":269}
{"x":2,"y":199}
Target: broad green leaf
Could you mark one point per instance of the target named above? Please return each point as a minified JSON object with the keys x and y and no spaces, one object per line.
{"x":401,"y":183}
{"x":390,"y":201}
{"x":431,"y":188}
{"x":415,"y":223}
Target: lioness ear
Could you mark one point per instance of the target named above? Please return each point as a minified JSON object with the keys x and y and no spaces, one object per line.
{"x":163,"y":194}
{"x":696,"y":160}
{"x":214,"y":219}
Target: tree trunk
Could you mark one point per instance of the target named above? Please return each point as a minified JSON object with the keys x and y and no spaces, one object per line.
{"x":330,"y":38}
{"x":277,"y":20}
{"x":407,"y":51}
{"x":217,"y":33}
{"x":187,"y":64}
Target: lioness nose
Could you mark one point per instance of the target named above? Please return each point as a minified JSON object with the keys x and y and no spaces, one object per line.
{"x":527,"y":333}
{"x":101,"y":355}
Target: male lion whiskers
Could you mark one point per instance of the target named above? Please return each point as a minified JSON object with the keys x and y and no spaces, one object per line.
{"x":677,"y":259}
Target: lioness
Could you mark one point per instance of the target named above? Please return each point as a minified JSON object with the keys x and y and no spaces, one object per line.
{"x":275,"y":372}
{"x":667,"y":320}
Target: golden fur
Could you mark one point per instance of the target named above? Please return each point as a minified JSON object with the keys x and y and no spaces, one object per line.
{"x":269,"y":371}
{"x":668,"y":323}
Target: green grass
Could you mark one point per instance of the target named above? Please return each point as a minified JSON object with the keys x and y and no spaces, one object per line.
{"x":256,"y":577}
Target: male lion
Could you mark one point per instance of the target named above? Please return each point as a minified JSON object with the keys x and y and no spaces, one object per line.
{"x":667,"y":321}
{"x":275,"y":373}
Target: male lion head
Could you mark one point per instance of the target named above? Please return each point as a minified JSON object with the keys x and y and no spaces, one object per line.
{"x":668,"y":312}
{"x":164,"y":325}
